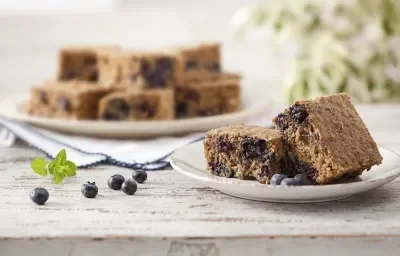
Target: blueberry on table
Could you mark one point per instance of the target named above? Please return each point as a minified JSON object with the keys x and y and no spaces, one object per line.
{"x":115,"y":181}
{"x":302,"y":179}
{"x":129,"y":187}
{"x":277,"y":179}
{"x":290,"y":182}
{"x":89,"y":190}
{"x":139,"y":176}
{"x":39,"y":195}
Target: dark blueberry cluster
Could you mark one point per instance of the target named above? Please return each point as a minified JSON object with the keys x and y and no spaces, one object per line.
{"x":39,"y":196}
{"x":253,"y":148}
{"x":158,"y":77}
{"x":220,"y":170}
{"x":298,"y":113}
{"x":223,"y":145}
{"x":282,"y":121}
{"x":90,"y":190}
{"x":128,"y":186}
{"x":284,"y":180}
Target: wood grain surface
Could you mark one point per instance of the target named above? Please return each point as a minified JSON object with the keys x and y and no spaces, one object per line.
{"x":172,"y":215}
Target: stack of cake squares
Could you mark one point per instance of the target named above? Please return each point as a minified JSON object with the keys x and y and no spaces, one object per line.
{"x":115,"y":84}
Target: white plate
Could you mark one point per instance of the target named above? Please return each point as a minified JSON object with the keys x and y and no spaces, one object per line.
{"x":254,"y":102}
{"x":190,"y":161}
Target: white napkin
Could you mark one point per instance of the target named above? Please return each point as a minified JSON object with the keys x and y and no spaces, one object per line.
{"x":152,"y":154}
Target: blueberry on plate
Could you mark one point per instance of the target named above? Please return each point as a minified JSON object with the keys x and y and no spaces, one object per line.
{"x":115,"y":181}
{"x":302,"y":179}
{"x":89,"y":190}
{"x":39,"y":195}
{"x":290,"y":182}
{"x":139,"y":176}
{"x":277,"y":179}
{"x":129,"y":187}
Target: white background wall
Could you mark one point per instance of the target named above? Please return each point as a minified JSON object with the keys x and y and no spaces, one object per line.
{"x":32,"y":31}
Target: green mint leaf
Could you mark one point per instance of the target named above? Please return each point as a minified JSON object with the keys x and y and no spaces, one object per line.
{"x":61,"y":157}
{"x":70,"y":168}
{"x":51,"y":167}
{"x":58,"y":177}
{"x":38,"y":165}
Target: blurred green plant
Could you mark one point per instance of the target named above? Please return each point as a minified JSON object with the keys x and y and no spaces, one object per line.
{"x":348,"y":46}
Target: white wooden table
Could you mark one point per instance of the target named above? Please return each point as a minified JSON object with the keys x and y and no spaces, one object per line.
{"x":171,"y":215}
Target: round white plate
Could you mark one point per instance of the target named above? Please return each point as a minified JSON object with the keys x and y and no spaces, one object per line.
{"x":254,"y":102}
{"x":190,"y":161}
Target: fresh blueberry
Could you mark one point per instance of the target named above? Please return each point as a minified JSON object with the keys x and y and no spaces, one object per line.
{"x":277,"y":179}
{"x":139,"y":176}
{"x":89,"y":190}
{"x":302,"y":179}
{"x":289,"y":182}
{"x":39,"y":195}
{"x":115,"y":181}
{"x":129,"y":187}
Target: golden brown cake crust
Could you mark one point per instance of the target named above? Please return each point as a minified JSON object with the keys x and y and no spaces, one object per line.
{"x":66,"y":100}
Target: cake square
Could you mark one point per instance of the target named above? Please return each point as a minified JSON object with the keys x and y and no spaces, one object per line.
{"x":152,"y":104}
{"x":65,"y":99}
{"x":208,"y":97}
{"x":327,"y":139}
{"x":197,"y":57}
{"x":139,"y":70}
{"x":80,"y":62}
{"x":244,"y":152}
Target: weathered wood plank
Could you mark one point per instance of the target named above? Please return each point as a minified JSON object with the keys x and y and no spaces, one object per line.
{"x":172,"y":215}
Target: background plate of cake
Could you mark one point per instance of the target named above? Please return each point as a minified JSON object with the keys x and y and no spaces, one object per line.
{"x":115,"y":92}
{"x":320,"y":150}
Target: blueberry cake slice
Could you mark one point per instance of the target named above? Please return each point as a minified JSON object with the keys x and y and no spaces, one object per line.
{"x":244,"y":152}
{"x":327,"y":139}
{"x":151,"y":104}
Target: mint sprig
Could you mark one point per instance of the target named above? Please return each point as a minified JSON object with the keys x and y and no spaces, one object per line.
{"x":59,"y":168}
